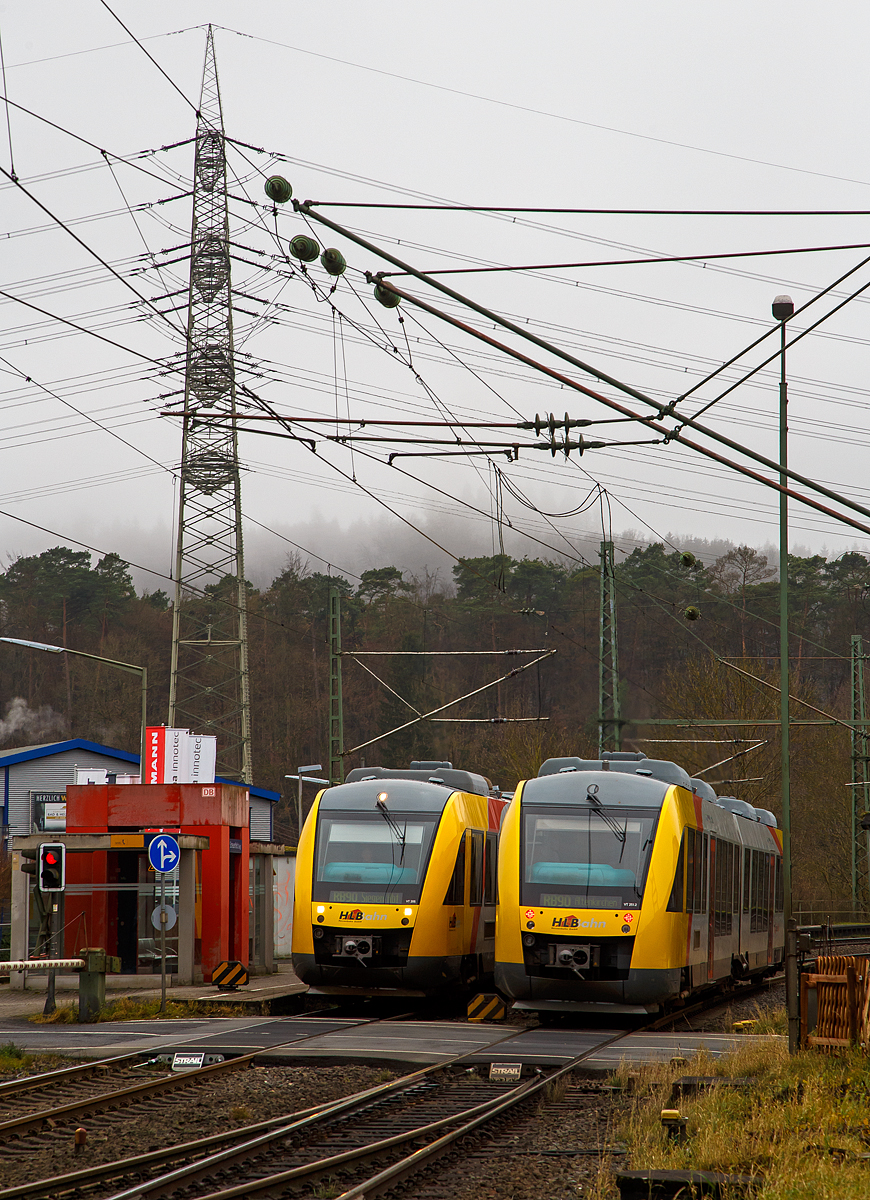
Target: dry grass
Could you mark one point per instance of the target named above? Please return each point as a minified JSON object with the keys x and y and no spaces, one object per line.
{"x":131,"y":1008}
{"x":803,"y":1123}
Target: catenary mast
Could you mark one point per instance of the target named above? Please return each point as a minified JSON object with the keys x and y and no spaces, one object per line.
{"x":209,"y":691}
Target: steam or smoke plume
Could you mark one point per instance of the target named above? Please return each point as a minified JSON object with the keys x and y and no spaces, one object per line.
{"x":21,"y":721}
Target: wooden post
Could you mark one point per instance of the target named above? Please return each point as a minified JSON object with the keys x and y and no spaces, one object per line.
{"x":852,"y":1002}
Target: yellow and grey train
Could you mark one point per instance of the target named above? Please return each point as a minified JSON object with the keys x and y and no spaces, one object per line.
{"x":625,"y":886}
{"x":395,"y":883}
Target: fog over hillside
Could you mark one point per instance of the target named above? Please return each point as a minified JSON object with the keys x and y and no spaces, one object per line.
{"x":334,"y":547}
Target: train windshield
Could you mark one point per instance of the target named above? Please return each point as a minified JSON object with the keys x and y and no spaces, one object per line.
{"x":586,"y":858}
{"x":361,"y":858}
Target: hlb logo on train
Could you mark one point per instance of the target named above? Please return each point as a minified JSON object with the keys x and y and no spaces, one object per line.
{"x":572,"y":922}
{"x":357,"y":914}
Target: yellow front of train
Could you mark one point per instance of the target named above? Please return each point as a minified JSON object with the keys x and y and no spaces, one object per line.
{"x":587,"y":863}
{"x":382,"y":884}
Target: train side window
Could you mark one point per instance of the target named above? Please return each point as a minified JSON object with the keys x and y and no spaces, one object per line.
{"x":780,"y":897}
{"x":704,"y":881}
{"x":476,"y":891}
{"x":677,"y":902}
{"x":723,"y":886}
{"x":747,"y":876}
{"x":690,"y":870}
{"x":456,"y":887}
{"x":489,"y":879}
{"x":717,"y":852}
{"x":753,"y":920}
{"x":731,"y":892}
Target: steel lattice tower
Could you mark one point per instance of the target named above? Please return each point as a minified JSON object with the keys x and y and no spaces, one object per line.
{"x":609,"y":720}
{"x":209,"y":690}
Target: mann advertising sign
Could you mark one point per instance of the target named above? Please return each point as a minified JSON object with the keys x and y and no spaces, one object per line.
{"x":179,"y":756}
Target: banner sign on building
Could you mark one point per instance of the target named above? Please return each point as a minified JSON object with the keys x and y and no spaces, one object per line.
{"x":48,"y":812}
{"x":179,"y":756}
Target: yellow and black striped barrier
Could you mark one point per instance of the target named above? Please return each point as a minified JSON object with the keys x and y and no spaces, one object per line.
{"x":487,"y":1006}
{"x":229,"y":975}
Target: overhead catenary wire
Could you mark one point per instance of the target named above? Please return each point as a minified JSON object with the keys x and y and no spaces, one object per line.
{"x":542,"y":112}
{"x":617,"y":212}
{"x":89,"y":249}
{"x":628,"y":262}
{"x":132,"y":35}
{"x":600,"y":375}
{"x":130,"y":162}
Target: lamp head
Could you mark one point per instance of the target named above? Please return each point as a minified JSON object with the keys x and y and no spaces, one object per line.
{"x":782,"y":307}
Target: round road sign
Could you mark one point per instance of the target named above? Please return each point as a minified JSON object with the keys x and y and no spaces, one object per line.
{"x":163,"y":853}
{"x":171,"y":916}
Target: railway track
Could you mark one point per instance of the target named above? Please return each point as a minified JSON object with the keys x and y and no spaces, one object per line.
{"x":94,"y":1088}
{"x":401,"y":1128}
{"x":94,"y":1093}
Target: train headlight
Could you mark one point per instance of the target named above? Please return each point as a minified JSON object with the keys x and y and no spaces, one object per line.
{"x":528,"y":939}
{"x":318,"y":933}
{"x":321,"y":908}
{"x":408,"y":912}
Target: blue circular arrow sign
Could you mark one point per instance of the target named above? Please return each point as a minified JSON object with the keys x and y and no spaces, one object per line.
{"x":163,"y":853}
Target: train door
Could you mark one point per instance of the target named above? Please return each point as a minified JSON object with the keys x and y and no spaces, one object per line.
{"x":476,"y":863}
{"x":743,"y":939}
{"x":712,"y":899}
{"x":770,"y":874}
{"x":488,"y":913}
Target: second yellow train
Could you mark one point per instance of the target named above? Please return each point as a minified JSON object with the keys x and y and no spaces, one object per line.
{"x":625,"y":886}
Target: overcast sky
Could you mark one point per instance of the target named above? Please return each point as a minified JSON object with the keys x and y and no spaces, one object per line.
{"x":668,"y":105}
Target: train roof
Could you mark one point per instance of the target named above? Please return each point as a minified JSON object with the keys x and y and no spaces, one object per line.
{"x":614,"y":788}
{"x":442,"y":774}
{"x":625,"y":763}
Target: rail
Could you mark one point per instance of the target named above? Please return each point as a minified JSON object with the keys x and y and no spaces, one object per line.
{"x":117,"y":1099}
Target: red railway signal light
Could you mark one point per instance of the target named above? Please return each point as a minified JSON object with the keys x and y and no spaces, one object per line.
{"x":51,"y":867}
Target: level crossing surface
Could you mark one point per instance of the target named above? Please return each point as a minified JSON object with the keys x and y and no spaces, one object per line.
{"x":290,"y":1040}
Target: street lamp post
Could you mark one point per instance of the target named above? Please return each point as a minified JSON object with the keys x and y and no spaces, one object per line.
{"x":122,"y":666}
{"x":783,"y":308}
{"x":304,"y":777}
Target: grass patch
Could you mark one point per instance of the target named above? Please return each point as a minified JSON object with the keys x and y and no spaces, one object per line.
{"x":13,"y":1058}
{"x":132,"y":1008}
{"x":803,"y":1123}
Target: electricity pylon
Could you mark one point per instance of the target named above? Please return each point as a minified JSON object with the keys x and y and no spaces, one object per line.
{"x":209,"y":690}
{"x":609,"y":720}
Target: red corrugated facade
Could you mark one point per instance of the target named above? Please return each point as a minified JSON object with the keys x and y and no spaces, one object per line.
{"x":216,"y":811}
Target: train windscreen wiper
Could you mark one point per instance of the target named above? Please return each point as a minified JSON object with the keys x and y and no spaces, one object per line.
{"x":400,"y":834}
{"x":621,"y":834}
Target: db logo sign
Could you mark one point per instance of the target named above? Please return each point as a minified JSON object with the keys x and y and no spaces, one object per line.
{"x":354,"y":914}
